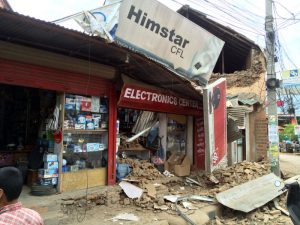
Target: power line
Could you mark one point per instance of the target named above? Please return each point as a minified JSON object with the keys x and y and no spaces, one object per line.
{"x":234,"y":22}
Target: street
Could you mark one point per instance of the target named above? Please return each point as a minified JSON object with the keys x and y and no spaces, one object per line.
{"x":290,"y":164}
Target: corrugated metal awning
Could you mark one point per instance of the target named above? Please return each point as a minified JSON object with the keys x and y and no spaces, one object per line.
{"x":23,"y":30}
{"x":239,"y":112}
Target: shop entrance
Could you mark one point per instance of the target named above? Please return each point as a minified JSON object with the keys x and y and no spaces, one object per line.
{"x":150,"y":136}
{"x":26,"y":116}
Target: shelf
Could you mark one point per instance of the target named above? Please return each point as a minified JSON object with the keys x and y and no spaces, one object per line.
{"x":73,"y":131}
{"x":84,"y":112}
{"x":85,"y":152}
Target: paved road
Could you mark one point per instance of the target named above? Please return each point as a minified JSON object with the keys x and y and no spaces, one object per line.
{"x":290,"y":163}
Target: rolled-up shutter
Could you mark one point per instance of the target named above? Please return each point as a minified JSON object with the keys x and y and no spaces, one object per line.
{"x":23,"y":74}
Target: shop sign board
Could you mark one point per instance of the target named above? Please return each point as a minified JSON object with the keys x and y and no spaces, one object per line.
{"x":297,"y":130}
{"x":158,"y":32}
{"x":273,"y":141}
{"x":199,"y":142}
{"x":215,"y":120}
{"x":137,"y":97}
{"x":291,"y":78}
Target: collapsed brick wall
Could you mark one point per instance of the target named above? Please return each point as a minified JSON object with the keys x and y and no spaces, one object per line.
{"x":261,"y":138}
{"x":248,"y":77}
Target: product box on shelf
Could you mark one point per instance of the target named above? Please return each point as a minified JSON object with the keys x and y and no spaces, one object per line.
{"x":86,"y":104}
{"x":48,"y":181}
{"x":50,"y":158}
{"x":103,"y":109}
{"x":74,"y":168}
{"x":51,"y":165}
{"x":94,"y":147}
{"x":95,"y":104}
{"x":48,"y":173}
{"x":79,"y":126}
{"x":90,"y":125}
{"x":77,"y":148}
{"x":81,"y":119}
{"x":96,"y":120}
{"x":70,"y":103}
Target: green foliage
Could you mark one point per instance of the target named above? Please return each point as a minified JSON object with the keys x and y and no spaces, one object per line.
{"x":288,"y":133}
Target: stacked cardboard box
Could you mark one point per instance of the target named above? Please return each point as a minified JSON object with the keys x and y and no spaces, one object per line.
{"x":49,"y":175}
{"x":179,"y":164}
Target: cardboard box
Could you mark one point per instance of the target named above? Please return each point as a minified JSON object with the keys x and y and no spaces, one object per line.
{"x":51,"y":165}
{"x":74,"y":168}
{"x":48,"y":173}
{"x":178,"y":164}
{"x":50,"y":158}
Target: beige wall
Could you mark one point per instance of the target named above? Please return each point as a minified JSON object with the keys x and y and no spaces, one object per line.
{"x":258,"y":87}
{"x":257,"y":120}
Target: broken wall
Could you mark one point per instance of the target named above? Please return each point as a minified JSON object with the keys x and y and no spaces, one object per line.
{"x":261,"y":135}
{"x":251,"y":80}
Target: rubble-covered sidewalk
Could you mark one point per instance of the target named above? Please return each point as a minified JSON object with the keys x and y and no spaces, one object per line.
{"x":168,"y":199}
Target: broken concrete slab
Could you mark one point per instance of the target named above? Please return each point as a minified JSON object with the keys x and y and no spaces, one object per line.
{"x":171,"y":198}
{"x":189,"y":205}
{"x":125,"y":216}
{"x":131,"y":190}
{"x":160,"y":207}
{"x":252,"y":194}
{"x":151,"y":191}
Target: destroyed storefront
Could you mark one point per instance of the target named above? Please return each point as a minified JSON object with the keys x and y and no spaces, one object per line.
{"x":158,"y":126}
{"x":80,"y":107}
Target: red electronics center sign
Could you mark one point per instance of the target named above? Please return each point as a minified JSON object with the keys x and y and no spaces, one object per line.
{"x":137,"y":97}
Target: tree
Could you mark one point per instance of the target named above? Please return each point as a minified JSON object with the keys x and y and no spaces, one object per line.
{"x":288,"y":133}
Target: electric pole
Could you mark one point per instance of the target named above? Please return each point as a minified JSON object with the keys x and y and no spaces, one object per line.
{"x":273,"y":151}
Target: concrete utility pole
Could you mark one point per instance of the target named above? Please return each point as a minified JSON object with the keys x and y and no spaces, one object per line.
{"x":273,"y":151}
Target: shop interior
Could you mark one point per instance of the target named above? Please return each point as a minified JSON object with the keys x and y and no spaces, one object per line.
{"x":150,"y":136}
{"x":25,"y":114}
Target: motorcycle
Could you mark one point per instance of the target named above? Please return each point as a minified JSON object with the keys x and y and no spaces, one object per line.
{"x":293,"y":200}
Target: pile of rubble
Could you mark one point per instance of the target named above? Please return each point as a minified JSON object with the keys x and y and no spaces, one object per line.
{"x":268,"y":214}
{"x":238,"y":174}
{"x":156,"y":189}
{"x":142,"y":170}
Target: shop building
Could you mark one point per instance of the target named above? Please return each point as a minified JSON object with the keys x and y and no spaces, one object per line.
{"x":73,"y":84}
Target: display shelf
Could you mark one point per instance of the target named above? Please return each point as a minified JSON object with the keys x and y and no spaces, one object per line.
{"x":73,"y":131}
{"x":87,"y":152}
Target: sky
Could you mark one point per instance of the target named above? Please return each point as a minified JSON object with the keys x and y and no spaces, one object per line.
{"x":245,"y":16}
